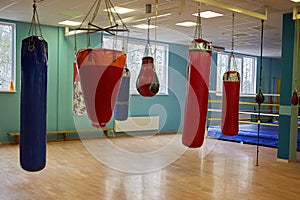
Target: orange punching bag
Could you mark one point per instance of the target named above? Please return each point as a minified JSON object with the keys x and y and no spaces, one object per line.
{"x":196,"y":103}
{"x":230,"y":103}
{"x":100,"y":72}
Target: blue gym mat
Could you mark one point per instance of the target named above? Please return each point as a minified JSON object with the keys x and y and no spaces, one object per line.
{"x":248,"y":134}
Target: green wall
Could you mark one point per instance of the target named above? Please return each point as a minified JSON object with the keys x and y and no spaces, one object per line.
{"x":60,"y":86}
{"x":60,"y":77}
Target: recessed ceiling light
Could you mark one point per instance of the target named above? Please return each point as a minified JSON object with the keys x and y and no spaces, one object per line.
{"x":69,"y":23}
{"x":208,"y":14}
{"x":296,"y":1}
{"x":187,"y":24}
{"x":144,"y":26}
{"x":120,"y":10}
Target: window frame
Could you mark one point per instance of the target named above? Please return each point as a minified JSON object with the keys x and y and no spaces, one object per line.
{"x":254,"y":72}
{"x":164,"y":65}
{"x":13,"y":58}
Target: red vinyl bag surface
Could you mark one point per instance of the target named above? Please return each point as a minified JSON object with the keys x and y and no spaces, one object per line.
{"x":195,"y":113}
{"x":147,"y":83}
{"x":230,"y":103}
{"x":100,"y":72}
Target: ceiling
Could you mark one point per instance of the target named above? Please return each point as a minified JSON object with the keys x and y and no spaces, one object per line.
{"x":217,"y":30}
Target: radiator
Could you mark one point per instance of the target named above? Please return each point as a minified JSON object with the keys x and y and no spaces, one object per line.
{"x":141,"y":123}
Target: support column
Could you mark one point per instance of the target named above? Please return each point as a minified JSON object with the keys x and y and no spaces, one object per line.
{"x":288,"y":114}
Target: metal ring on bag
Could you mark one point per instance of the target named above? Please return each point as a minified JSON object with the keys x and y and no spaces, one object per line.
{"x":31,"y":46}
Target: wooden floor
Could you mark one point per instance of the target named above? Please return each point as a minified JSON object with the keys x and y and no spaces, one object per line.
{"x":228,"y":171}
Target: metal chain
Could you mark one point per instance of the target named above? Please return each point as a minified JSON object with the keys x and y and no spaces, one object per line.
{"x":148,"y":31}
{"x":109,"y":14}
{"x":155,"y":32}
{"x":117,"y":14}
{"x":35,"y":21}
{"x":97,"y":6}
{"x":232,"y":34}
{"x":231,"y":57}
{"x":198,"y":31}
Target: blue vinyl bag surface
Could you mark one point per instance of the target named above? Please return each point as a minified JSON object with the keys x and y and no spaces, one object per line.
{"x":34,"y":67}
{"x":121,"y":107}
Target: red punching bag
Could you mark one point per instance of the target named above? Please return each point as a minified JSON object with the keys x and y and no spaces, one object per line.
{"x":147,"y":83}
{"x":230,"y":103}
{"x":197,"y":93}
{"x":100,"y":72}
{"x":295,"y":99}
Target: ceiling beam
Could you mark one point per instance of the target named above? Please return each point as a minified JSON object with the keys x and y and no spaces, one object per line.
{"x":235,"y":9}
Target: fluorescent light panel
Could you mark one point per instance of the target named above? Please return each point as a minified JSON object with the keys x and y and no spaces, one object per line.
{"x":186,"y":24}
{"x":208,"y":14}
{"x":295,"y":1}
{"x":144,"y":26}
{"x":120,"y":10}
{"x":69,"y":23}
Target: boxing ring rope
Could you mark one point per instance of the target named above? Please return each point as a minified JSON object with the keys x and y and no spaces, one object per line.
{"x":244,"y":95}
{"x":244,"y":120}
{"x":246,"y":103}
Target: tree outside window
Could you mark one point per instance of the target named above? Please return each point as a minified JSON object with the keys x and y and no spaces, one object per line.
{"x":7,"y":57}
{"x":245,"y":65}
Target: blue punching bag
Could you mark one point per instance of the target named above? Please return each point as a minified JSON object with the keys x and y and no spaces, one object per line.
{"x":34,"y":58}
{"x":121,"y":107}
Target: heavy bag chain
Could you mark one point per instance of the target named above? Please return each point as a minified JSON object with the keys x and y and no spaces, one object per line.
{"x":198,"y":30}
{"x":112,"y":14}
{"x":95,"y":6}
{"x":232,"y":57}
{"x":232,"y":61}
{"x":33,"y":26}
{"x":35,"y":21}
{"x":148,"y":49}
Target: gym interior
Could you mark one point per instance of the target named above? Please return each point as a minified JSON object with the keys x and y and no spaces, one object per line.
{"x":139,"y":105}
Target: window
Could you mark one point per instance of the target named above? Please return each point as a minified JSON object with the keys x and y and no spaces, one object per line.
{"x":7,"y":57}
{"x":134,"y":60}
{"x":245,"y":65}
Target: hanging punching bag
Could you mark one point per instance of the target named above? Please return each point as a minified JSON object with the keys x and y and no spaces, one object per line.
{"x":34,"y":58}
{"x":230,"y":103}
{"x":295,"y":99}
{"x":100,"y":72}
{"x":147,"y":83}
{"x":197,"y":93}
{"x":121,"y":107}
